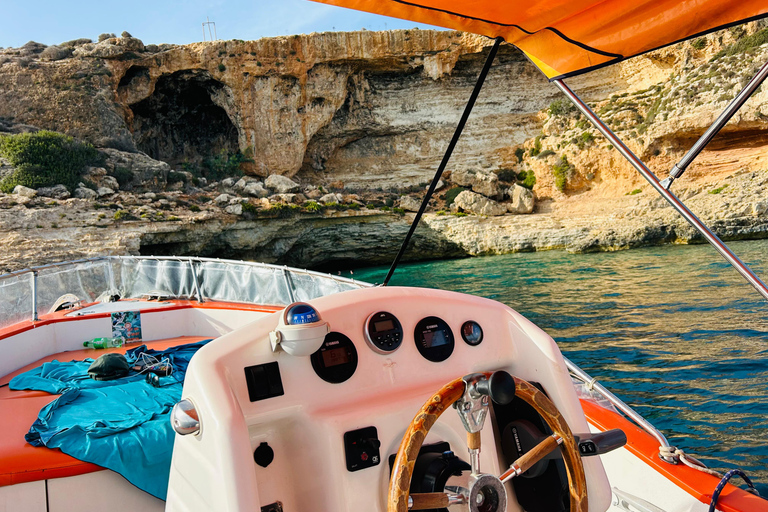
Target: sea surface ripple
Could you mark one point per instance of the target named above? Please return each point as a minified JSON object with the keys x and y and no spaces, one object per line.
{"x":674,"y":331}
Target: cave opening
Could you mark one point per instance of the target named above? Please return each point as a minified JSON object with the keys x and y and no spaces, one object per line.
{"x":180,"y":121}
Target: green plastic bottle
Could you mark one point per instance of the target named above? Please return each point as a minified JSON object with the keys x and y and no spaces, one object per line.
{"x":104,"y":343}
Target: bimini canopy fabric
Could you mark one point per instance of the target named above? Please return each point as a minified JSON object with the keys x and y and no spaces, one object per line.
{"x":568,"y":37}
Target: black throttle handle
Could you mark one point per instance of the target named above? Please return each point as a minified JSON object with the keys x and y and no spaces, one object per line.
{"x":500,"y":387}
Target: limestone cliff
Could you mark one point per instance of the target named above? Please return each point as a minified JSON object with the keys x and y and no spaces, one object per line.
{"x":373,"y":111}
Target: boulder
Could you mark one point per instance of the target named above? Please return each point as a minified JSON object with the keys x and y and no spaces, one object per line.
{"x":146,"y":172}
{"x":479,"y":205}
{"x":285,"y":198}
{"x":228,"y":182}
{"x":313,"y":194}
{"x":222,"y":200}
{"x":410,"y":204}
{"x":104,"y":191}
{"x":281,"y":184}
{"x":480,"y":181}
{"x":522,"y":200}
{"x":21,"y":190}
{"x":331,"y":198}
{"x":85,"y":193}
{"x":255,"y":189}
{"x":57,"y":192}
{"x":110,"y":182}
{"x":234,"y":209}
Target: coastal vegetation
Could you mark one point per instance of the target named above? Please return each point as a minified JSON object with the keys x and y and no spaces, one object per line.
{"x":45,"y":159}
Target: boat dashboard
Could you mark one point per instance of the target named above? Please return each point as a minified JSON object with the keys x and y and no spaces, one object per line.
{"x":282,"y":429}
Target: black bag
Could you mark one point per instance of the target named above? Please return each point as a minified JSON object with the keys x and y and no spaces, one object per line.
{"x":109,"y":367}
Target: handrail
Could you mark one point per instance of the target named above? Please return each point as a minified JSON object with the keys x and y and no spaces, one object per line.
{"x":623,"y":407}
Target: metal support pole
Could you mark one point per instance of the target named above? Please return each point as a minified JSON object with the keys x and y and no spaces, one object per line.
{"x":34,"y":296}
{"x":289,"y":284}
{"x":195,"y":281}
{"x":680,"y":167}
{"x":638,"y":164}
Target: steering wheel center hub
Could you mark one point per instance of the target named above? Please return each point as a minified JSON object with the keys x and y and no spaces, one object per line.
{"x":486,"y":494}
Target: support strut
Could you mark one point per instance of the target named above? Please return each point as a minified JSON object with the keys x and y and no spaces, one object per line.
{"x":447,"y":156}
{"x":733,"y":107}
{"x":638,"y":164}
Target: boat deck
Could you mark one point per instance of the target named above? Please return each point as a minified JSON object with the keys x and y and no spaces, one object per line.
{"x":22,"y":462}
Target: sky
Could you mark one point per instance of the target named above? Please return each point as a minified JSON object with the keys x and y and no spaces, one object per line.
{"x":175,"y":21}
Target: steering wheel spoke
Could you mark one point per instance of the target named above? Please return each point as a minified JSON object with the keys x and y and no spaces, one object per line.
{"x":531,"y":457}
{"x":428,"y":500}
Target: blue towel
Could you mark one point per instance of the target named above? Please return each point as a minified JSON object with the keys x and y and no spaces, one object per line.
{"x":122,"y":424}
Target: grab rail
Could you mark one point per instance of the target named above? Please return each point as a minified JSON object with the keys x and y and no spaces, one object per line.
{"x":623,"y":407}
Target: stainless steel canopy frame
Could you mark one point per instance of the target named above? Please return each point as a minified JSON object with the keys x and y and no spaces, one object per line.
{"x":678,"y":205}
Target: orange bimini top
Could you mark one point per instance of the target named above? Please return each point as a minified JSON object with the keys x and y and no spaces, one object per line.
{"x":568,"y":37}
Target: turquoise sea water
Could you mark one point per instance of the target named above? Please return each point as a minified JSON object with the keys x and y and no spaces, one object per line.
{"x":674,"y":331}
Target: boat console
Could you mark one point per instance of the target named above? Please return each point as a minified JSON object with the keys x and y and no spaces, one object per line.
{"x":307,"y":409}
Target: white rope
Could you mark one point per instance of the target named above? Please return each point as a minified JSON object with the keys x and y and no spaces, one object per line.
{"x":672,"y":452}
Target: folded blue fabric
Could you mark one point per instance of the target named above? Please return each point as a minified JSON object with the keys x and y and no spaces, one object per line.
{"x":122,"y":424}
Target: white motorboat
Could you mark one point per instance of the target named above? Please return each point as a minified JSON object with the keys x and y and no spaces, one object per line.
{"x":320,"y":393}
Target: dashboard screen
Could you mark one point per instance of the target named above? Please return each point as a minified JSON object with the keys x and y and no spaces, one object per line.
{"x":335,"y":357}
{"x":434,"y":339}
{"x":386,"y":325}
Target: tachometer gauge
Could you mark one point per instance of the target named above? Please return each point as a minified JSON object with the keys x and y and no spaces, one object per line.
{"x":434,"y":339}
{"x":472,"y":333}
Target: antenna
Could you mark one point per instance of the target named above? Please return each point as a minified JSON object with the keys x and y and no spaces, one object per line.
{"x":213,"y":36}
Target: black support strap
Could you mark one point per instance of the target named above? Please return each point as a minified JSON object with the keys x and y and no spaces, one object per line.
{"x":447,"y":156}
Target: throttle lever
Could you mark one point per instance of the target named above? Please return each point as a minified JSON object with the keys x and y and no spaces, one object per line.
{"x":500,"y":387}
{"x":600,"y":442}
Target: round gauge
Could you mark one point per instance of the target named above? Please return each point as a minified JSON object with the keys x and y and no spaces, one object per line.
{"x":383,"y":332}
{"x":472,"y":333}
{"x":434,"y":339}
{"x":336,"y":360}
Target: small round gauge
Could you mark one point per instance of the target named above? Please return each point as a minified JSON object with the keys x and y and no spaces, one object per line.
{"x":434,"y":339}
{"x":472,"y":333}
{"x":336,"y":360}
{"x":383,"y":332}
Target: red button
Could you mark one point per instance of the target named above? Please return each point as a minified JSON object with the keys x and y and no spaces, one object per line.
{"x":363,"y":456}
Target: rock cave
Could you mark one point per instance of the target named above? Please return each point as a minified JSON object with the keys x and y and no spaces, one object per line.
{"x":181,"y":120}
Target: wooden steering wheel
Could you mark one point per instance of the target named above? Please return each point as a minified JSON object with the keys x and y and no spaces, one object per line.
{"x":400,"y":482}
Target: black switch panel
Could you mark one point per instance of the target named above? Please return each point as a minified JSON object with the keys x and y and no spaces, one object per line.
{"x":263,"y":381}
{"x":361,"y":448}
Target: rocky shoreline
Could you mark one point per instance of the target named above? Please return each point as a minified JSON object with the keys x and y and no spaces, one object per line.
{"x":338,"y":135}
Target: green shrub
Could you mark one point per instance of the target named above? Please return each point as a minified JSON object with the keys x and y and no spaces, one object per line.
{"x":45,"y":159}
{"x":560,"y":108}
{"x":562,"y":171}
{"x":634,"y":192}
{"x":718,"y":189}
{"x":545,"y":153}
{"x":222,"y":67}
{"x":742,"y":45}
{"x":587,"y":137}
{"x":176,"y":177}
{"x":195,"y":208}
{"x":536,"y":149}
{"x":123,"y":176}
{"x":519,"y":153}
{"x":450,"y":196}
{"x":313,"y":207}
{"x":223,"y":165}
{"x":507,"y":175}
{"x":699,"y":43}
{"x":527,"y":179}
{"x":247,"y":208}
{"x":398,"y":211}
